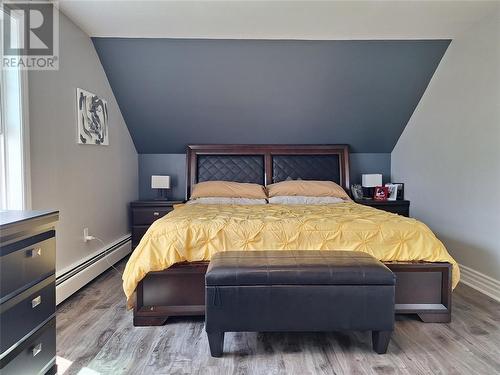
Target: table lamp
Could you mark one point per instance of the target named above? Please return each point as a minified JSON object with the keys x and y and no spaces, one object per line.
{"x":369,"y":182}
{"x":162,"y":183}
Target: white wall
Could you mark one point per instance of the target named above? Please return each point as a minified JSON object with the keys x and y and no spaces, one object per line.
{"x":449,"y":153}
{"x":90,"y":185}
{"x":284,"y":19}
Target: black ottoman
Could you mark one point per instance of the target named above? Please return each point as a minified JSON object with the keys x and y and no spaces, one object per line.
{"x":271,"y":291}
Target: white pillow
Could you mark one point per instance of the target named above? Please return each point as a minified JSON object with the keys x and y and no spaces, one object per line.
{"x":222,"y":200}
{"x":297,"y":199}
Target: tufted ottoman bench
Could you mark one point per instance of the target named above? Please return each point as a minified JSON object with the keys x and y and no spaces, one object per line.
{"x":259,"y":291}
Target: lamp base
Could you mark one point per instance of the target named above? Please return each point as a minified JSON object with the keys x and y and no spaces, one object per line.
{"x":162,"y":195}
{"x":368,"y":192}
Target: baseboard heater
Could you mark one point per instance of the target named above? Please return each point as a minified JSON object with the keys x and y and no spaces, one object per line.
{"x":81,"y":274}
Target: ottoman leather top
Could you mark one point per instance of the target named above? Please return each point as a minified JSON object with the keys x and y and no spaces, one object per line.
{"x":297,"y":267}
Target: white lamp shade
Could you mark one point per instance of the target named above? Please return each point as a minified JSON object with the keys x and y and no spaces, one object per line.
{"x":160,"y":182}
{"x":371,"y":180}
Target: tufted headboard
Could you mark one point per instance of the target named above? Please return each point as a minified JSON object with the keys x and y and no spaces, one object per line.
{"x":266,"y":164}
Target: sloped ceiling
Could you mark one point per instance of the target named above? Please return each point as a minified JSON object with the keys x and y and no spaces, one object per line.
{"x":282,"y":19}
{"x":173,"y":92}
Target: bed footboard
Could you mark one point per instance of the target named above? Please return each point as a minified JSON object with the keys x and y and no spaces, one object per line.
{"x":424,"y":289}
{"x":176,"y":291}
{"x":421,"y":288}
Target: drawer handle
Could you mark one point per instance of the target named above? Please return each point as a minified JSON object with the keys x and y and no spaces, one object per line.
{"x":37,"y":349}
{"x":36,"y":301}
{"x":156,"y":213}
{"x":36,"y":252}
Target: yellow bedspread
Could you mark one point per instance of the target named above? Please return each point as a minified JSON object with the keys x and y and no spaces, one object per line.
{"x":195,"y":232}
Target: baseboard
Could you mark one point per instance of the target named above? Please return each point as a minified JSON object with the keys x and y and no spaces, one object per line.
{"x":481,"y":282}
{"x":71,"y":279}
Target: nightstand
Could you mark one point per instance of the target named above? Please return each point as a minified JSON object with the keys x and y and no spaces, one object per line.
{"x":144,"y":213}
{"x":400,"y":207}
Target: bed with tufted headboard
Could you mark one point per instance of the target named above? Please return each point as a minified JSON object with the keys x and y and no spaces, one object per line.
{"x":267,"y":164}
{"x":179,"y":290}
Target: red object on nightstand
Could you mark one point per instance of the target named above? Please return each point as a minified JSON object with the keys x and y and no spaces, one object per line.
{"x":381,"y":193}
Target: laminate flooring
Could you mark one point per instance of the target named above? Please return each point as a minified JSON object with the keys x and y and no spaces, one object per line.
{"x":95,"y":335}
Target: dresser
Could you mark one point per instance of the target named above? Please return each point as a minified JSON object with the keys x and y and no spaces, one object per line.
{"x":27,"y":292}
{"x":400,"y":207}
{"x":144,"y":213}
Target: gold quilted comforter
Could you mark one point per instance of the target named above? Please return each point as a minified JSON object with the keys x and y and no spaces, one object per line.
{"x":195,"y":232}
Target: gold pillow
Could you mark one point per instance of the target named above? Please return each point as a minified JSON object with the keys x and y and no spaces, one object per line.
{"x":228,"y":189}
{"x":307,"y":189}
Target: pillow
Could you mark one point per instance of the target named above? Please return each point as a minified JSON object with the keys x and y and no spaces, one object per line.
{"x":307,"y":189}
{"x":228,"y":189}
{"x":297,"y":199}
{"x":222,"y":200}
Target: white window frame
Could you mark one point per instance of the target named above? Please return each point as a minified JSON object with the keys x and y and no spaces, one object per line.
{"x":22,"y":142}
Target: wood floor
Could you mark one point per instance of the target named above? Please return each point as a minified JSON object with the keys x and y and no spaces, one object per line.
{"x":95,"y":336}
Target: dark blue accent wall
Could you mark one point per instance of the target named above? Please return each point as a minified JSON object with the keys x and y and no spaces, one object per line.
{"x":175,"y":92}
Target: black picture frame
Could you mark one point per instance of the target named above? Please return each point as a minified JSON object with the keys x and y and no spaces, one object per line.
{"x":401,"y":191}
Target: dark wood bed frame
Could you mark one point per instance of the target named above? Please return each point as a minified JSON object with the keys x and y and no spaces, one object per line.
{"x":422,"y":288}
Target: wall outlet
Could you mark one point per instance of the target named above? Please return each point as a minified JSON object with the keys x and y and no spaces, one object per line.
{"x":86,"y":236}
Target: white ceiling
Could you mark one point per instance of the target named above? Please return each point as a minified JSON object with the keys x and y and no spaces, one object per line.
{"x":277,"y":19}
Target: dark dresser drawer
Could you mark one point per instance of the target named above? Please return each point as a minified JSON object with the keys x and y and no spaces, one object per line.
{"x":147,"y":215}
{"x":26,"y":262}
{"x":27,"y":292}
{"x":400,"y":207}
{"x":23,"y":313}
{"x":36,"y":355}
{"x":400,"y":210}
{"x":137,"y":233}
{"x":144,"y":213}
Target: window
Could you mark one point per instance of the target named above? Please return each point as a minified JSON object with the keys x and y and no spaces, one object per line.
{"x":14,"y":145}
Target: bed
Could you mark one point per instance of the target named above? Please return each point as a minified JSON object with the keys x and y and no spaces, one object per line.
{"x":165,"y":276}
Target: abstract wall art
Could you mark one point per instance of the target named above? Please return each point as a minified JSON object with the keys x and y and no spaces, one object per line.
{"x":92,"y":119}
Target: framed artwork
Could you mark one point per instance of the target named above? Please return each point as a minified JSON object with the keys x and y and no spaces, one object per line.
{"x":92,"y":123}
{"x":393,"y":191}
{"x":401,"y":190}
{"x":381,"y":193}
